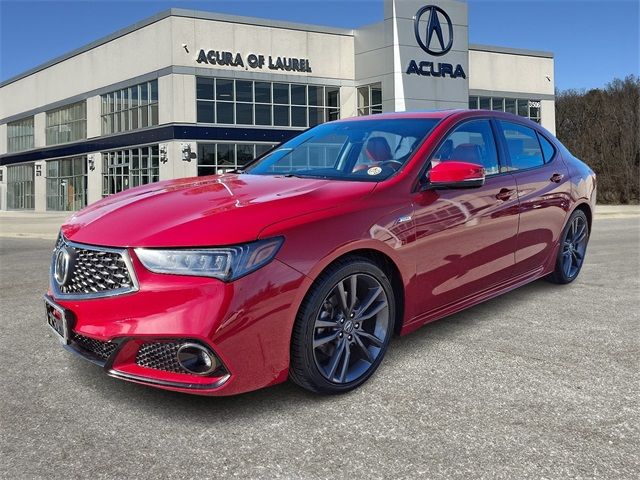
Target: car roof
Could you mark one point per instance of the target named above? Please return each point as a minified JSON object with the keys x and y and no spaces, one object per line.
{"x":441,"y":114}
{"x":435,"y":114}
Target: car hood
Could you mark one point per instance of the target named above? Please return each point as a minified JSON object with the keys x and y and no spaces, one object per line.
{"x":206,"y":211}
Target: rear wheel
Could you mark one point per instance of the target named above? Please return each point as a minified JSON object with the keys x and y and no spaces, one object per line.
{"x":343,"y":327}
{"x":573,"y":247}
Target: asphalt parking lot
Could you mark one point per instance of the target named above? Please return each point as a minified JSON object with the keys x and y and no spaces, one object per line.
{"x":540,"y":383}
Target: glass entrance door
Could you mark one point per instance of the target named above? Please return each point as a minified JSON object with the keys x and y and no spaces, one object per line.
{"x":20,"y":189}
{"x":67,"y":183}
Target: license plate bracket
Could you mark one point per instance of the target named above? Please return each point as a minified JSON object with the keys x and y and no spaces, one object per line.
{"x":59,"y":319}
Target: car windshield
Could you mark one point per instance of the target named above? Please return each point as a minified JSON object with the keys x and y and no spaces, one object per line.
{"x":367,"y":150}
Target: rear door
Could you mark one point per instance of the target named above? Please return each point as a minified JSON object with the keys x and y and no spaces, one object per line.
{"x":543,"y":190}
{"x":465,"y":237}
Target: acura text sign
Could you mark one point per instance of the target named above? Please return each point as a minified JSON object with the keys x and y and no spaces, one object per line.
{"x":287,"y":64}
{"x":436,"y":41}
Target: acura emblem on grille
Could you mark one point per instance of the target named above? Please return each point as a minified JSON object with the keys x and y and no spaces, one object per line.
{"x":62,"y":265}
{"x":81,"y":271}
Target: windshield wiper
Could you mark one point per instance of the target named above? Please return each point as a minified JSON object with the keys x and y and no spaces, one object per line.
{"x":291,"y":175}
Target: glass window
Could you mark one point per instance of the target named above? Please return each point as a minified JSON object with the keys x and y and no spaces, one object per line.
{"x":263,"y":92}
{"x":224,"y":90}
{"x":370,"y":99}
{"x":548,"y":150}
{"x":298,"y":94}
{"x":497,"y":104}
{"x":244,"y":113}
{"x":244,"y":154}
{"x":224,"y":112}
{"x":204,"y":88}
{"x":523,"y":146}
{"x":66,"y":124}
{"x":281,"y":115}
{"x":281,"y":93}
{"x":485,"y":103}
{"x":20,"y":135}
{"x":244,"y":102}
{"x":130,"y":108}
{"x":298,"y":116}
{"x":523,"y":107}
{"x":205,"y":112}
{"x":332,"y":95}
{"x":316,"y":116}
{"x":473,"y":103}
{"x":226,"y":155}
{"x":244,"y":91}
{"x":316,"y":96}
{"x":130,"y":167}
{"x":229,"y":156}
{"x":472,"y":142}
{"x":263,"y":114}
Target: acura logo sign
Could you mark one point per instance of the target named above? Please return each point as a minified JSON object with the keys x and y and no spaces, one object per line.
{"x":432,"y":40}
{"x":436,"y":38}
{"x":62,"y":265}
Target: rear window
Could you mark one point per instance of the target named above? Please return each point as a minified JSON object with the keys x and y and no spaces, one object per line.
{"x":548,"y":150}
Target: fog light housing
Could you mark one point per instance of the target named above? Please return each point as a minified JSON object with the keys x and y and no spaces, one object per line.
{"x":197,"y":359}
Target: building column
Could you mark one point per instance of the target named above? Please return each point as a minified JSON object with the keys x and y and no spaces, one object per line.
{"x":3,"y":188}
{"x":348,"y":102}
{"x":93,"y":116}
{"x":3,"y":139}
{"x":176,"y":165}
{"x":548,"y":115}
{"x":39,"y":133}
{"x":40,"y":186}
{"x":94,"y":177}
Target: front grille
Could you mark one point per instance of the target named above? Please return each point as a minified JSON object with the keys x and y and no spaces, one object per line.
{"x":93,"y":271}
{"x":161,"y":356}
{"x":100,"y":349}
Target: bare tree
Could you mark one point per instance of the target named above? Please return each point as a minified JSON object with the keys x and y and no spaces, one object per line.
{"x":602,"y":127}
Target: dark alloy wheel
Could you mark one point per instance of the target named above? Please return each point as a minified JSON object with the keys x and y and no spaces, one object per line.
{"x":344,"y":327}
{"x":573,"y":247}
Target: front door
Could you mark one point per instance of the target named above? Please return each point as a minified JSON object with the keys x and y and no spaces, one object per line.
{"x":466,"y":238}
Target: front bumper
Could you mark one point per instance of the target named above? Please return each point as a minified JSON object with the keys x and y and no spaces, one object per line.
{"x":246,"y":324}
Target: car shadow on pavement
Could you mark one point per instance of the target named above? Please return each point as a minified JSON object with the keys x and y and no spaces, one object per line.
{"x":285,"y":396}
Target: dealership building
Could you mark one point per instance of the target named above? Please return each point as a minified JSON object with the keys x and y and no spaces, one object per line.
{"x":187,"y":93}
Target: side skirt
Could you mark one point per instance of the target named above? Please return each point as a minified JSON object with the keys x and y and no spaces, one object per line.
{"x":472,"y":300}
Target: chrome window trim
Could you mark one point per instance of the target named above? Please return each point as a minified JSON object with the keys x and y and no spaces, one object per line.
{"x":123,"y":252}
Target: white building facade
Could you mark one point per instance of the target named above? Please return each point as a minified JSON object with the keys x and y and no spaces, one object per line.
{"x":187,"y":93}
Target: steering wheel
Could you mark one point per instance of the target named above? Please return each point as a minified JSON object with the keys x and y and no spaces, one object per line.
{"x":391,"y":163}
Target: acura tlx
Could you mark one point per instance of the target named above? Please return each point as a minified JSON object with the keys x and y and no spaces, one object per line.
{"x":305,"y":263}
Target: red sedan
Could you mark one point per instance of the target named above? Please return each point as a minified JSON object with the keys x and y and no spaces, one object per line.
{"x":304,"y":264}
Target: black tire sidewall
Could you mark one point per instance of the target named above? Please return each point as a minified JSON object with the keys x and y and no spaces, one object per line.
{"x":308,"y":315}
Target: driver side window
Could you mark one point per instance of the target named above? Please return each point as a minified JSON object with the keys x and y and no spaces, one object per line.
{"x":472,"y":142}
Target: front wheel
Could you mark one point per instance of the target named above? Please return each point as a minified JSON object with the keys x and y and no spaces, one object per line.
{"x":573,"y":247}
{"x":343,"y":328}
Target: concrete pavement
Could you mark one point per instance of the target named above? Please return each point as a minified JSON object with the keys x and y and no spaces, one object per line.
{"x":542,"y":382}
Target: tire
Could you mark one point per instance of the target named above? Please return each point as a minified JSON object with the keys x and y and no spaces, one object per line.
{"x":339,"y":341}
{"x":573,"y":248}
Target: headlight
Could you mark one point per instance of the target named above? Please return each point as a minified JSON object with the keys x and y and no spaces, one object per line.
{"x":225,"y":263}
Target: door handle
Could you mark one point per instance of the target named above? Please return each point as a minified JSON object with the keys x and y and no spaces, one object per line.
{"x":505,"y":194}
{"x":556,"y":177}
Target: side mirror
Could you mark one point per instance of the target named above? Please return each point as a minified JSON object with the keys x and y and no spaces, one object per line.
{"x":454,"y":174}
